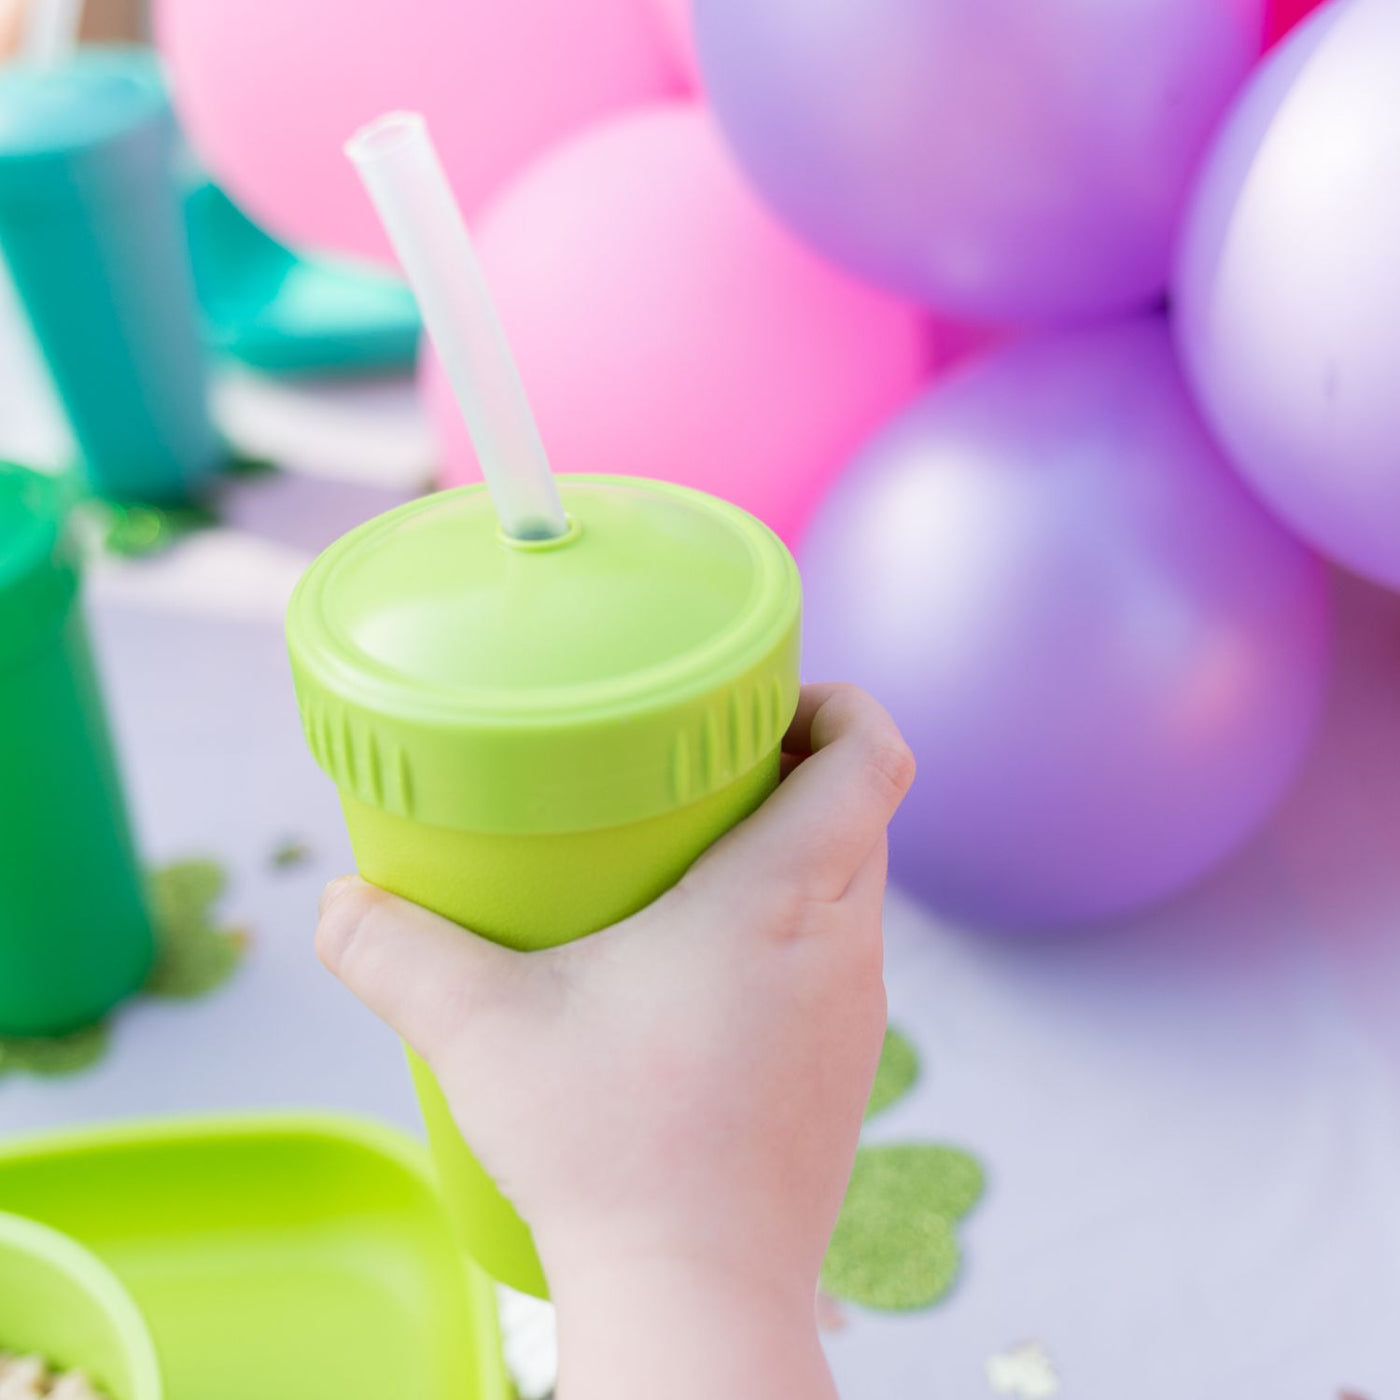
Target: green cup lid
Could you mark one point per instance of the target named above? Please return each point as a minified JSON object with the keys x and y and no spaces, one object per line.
{"x":642,"y":662}
{"x":38,"y":569}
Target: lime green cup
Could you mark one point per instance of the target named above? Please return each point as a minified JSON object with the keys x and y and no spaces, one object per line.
{"x":537,"y":738}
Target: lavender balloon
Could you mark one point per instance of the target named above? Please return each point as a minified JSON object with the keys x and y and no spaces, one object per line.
{"x":1107,"y":656}
{"x":1010,"y":160}
{"x":1288,"y":291}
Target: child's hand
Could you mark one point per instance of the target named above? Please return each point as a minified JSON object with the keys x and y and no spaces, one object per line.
{"x":673,"y":1104}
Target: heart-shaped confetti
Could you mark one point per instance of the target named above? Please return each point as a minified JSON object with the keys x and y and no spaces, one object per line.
{"x":897,"y":1074}
{"x":53,"y":1056}
{"x":195,"y":956}
{"x":895,"y":1247}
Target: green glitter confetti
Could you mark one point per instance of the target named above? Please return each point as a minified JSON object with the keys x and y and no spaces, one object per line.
{"x":898,"y":1073}
{"x":183,"y":891}
{"x":196,"y":956}
{"x":137,"y":531}
{"x":245,"y":465}
{"x":53,"y":1056}
{"x":289,"y":854}
{"x":895,"y":1247}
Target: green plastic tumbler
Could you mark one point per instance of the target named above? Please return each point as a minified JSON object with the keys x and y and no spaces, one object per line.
{"x":75,"y":935}
{"x":537,"y":738}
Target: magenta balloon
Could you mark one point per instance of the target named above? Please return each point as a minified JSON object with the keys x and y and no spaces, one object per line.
{"x":1107,"y":656}
{"x":1287,"y":287}
{"x":1000,"y":159}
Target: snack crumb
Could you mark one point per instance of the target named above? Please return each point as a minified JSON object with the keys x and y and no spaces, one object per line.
{"x":29,"y":1378}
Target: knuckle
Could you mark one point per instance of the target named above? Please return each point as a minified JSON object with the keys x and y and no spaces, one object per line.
{"x":785,"y":910}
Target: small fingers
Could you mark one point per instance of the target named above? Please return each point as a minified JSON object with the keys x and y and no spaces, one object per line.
{"x":833,"y":807}
{"x":420,"y":973}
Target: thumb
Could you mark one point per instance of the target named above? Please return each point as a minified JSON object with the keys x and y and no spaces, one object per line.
{"x":425,"y":976}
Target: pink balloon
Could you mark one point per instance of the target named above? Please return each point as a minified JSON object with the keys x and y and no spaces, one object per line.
{"x":667,"y":326}
{"x":270,"y":90}
{"x":678,"y":25}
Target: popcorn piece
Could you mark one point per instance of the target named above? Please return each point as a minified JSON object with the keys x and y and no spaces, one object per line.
{"x":73,"y":1386}
{"x":1025,"y":1372}
{"x":29,"y":1378}
{"x":24,"y":1379}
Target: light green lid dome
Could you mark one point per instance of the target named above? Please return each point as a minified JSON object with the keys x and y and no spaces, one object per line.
{"x":640,"y":663}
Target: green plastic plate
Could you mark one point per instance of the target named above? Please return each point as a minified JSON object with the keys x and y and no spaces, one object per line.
{"x":273,"y":1256}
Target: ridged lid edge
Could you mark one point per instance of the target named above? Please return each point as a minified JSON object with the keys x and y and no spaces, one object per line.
{"x":555,"y":773}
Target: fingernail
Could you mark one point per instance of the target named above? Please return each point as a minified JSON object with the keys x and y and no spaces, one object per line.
{"x":334,"y":890}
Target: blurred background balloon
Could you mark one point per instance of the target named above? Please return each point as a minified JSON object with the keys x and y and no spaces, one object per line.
{"x":269,"y":91}
{"x":1284,"y":14}
{"x":1289,"y":284}
{"x":1001,"y":160}
{"x":678,"y":27}
{"x":668,"y":326}
{"x":1107,"y":656}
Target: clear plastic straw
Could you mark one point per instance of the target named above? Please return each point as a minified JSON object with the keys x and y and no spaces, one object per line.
{"x":405,"y":179}
{"x":51,"y":31}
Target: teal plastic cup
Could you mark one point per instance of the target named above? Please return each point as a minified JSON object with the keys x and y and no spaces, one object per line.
{"x":75,"y":933}
{"x":92,"y":230}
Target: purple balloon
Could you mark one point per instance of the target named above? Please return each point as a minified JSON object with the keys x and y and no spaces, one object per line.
{"x":1288,"y":291}
{"x":1107,"y":656}
{"x":1008,"y":160}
